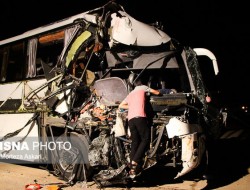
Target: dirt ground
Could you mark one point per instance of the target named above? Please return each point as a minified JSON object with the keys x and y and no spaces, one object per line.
{"x":16,"y":177}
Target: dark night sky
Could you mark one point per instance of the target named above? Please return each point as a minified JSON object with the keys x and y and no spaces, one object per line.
{"x":222,"y":27}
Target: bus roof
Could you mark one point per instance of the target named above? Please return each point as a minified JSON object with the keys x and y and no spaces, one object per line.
{"x":55,"y":25}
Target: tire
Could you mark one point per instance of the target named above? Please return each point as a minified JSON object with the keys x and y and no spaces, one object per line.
{"x":71,"y":163}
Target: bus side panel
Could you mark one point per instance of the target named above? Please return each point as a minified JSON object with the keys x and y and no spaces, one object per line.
{"x":19,"y":133}
{"x":15,"y":90}
{"x":23,"y":145}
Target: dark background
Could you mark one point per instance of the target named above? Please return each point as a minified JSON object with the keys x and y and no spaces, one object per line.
{"x":222,"y":27}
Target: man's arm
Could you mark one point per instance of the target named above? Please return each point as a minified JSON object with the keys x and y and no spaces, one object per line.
{"x":123,"y":105}
{"x":155,"y":92}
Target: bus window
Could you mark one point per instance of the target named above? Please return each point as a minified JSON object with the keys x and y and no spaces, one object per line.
{"x":4,"y":55}
{"x":22,"y":59}
{"x":49,"y":49}
{"x":15,"y":66}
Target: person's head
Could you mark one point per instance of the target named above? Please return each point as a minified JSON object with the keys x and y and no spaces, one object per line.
{"x":134,"y":80}
{"x":137,"y":82}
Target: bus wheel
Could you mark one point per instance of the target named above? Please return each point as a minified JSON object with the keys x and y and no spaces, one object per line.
{"x":70,"y":157}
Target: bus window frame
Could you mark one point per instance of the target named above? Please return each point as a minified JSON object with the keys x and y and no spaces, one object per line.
{"x":14,"y":56}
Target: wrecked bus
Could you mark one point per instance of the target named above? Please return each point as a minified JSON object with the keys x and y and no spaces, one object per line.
{"x":61,"y":85}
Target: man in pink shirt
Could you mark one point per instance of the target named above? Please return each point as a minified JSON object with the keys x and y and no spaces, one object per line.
{"x":135,"y":102}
